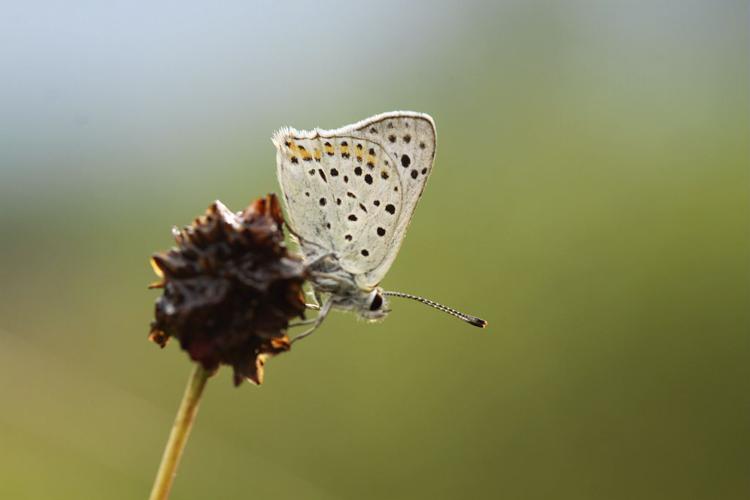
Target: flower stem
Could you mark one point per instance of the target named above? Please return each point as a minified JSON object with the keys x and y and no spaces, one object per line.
{"x":180,"y":431}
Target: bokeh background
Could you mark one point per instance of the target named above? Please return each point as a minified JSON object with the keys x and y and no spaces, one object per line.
{"x":591,"y":199}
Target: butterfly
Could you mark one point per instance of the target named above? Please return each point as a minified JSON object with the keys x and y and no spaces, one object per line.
{"x":350,"y":194}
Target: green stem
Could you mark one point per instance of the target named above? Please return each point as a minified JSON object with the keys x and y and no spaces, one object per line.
{"x":179,"y":435}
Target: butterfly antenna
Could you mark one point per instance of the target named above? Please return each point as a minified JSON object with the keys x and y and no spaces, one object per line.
{"x":472,"y":320}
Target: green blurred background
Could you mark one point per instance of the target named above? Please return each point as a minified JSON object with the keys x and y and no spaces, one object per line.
{"x":591,"y":199}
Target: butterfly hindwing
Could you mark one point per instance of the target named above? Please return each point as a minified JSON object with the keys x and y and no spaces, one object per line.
{"x":409,"y":138}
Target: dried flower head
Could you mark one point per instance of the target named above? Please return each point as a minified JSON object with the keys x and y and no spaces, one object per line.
{"x":230,"y":288}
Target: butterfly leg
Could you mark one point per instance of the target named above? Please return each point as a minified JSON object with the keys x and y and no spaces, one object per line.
{"x":338,"y":280}
{"x":304,"y":322}
{"x":315,"y":307}
{"x":316,"y":322}
{"x":318,"y":298}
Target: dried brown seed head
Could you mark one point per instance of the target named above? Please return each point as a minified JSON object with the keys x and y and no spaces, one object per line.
{"x":230,"y":288}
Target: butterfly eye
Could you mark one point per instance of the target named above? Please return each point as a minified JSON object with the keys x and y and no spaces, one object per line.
{"x":377,"y":302}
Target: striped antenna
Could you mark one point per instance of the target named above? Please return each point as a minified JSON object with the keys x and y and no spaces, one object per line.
{"x":472,"y":320}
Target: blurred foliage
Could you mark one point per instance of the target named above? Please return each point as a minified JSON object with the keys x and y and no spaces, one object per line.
{"x":590,"y":199}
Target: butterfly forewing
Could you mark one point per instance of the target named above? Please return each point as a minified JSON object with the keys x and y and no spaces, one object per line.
{"x":345,"y":202}
{"x":352,"y":191}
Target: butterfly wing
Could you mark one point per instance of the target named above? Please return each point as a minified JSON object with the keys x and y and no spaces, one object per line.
{"x":353,"y":190}
{"x":342,"y":195}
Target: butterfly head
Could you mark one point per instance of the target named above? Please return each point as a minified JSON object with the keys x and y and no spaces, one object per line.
{"x":375,"y":307}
